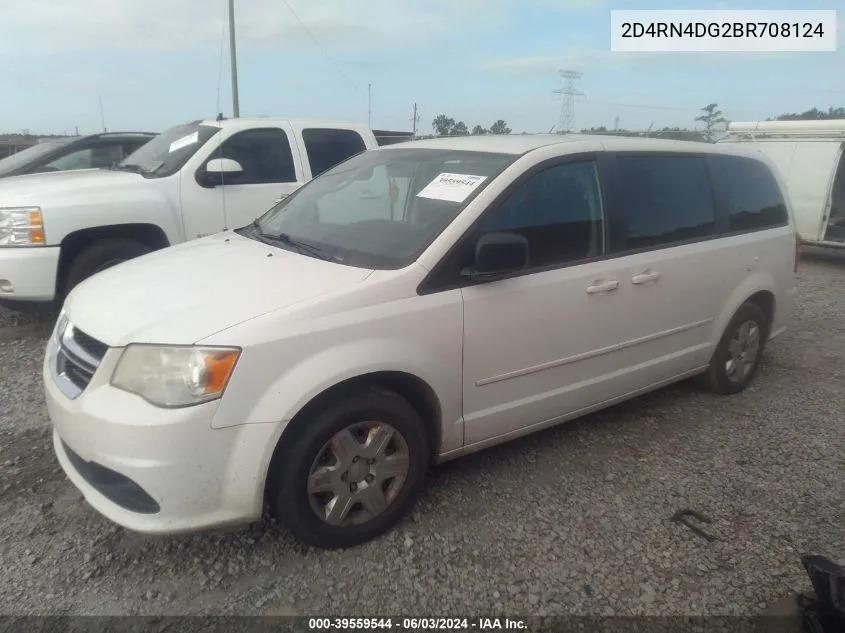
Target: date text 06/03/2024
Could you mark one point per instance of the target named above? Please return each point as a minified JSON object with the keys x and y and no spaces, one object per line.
{"x":416,"y":624}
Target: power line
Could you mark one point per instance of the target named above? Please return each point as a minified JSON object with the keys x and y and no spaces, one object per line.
{"x":643,"y":106}
{"x":318,"y":45}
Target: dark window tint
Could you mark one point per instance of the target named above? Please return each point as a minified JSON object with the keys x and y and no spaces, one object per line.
{"x":666,"y":199}
{"x":264,"y":154}
{"x":326,"y":148}
{"x":749,"y":193}
{"x":558,"y":211}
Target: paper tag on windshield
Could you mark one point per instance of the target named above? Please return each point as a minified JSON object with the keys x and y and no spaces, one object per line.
{"x":451,"y":187}
{"x":184,"y":141}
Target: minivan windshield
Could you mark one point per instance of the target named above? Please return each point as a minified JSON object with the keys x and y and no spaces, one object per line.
{"x":379,"y":209}
{"x":165,"y":154}
{"x":27,"y":156}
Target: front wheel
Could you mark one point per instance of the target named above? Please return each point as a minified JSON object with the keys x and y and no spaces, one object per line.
{"x":99,"y":256}
{"x":351,"y":471}
{"x":738,"y":354}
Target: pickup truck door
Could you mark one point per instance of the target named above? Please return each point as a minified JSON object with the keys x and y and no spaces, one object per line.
{"x":272,"y":168}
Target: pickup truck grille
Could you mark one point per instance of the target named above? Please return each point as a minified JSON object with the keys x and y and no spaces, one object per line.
{"x":77,"y":356}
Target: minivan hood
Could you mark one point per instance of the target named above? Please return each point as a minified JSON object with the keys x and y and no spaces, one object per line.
{"x":40,"y":189}
{"x":188,"y":292}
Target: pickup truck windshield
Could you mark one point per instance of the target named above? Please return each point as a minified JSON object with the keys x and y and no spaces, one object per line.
{"x":28,"y":155}
{"x":165,"y":154}
{"x":379,"y":209}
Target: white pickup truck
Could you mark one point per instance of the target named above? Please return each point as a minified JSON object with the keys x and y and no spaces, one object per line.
{"x":190,"y":181}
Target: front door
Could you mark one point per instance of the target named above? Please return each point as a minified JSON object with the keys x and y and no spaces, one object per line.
{"x":271,"y":170}
{"x":540,"y":345}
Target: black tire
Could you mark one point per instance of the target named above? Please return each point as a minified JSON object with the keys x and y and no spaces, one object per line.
{"x":288,"y":496}
{"x":99,"y":256}
{"x":717,"y":379}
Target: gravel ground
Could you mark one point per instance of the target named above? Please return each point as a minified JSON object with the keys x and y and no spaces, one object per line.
{"x":573,"y":520}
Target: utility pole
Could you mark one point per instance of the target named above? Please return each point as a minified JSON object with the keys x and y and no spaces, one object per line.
{"x":233,"y":61}
{"x":370,"y":106}
{"x":616,"y":125}
{"x":566,"y":120}
{"x":102,"y":117}
{"x":415,"y":119}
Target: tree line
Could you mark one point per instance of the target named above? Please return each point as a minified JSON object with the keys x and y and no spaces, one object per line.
{"x":447,"y":126}
{"x":711,"y":119}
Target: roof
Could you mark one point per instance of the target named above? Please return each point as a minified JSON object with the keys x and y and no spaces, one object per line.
{"x":517,"y":144}
{"x":259,"y":120}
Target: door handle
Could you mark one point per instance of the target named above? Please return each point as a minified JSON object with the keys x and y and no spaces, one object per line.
{"x":602,"y":286}
{"x":645,"y":277}
{"x":280,"y":198}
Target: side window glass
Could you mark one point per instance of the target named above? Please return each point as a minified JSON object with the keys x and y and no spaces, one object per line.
{"x":749,"y":192}
{"x":79,"y":159}
{"x":264,"y":154}
{"x":327,"y":147}
{"x":559,"y":211}
{"x":667,"y":199}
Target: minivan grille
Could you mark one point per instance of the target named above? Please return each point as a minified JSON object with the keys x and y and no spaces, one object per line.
{"x":77,"y":357}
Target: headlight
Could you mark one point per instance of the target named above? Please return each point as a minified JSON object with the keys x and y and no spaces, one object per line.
{"x":21,"y":226}
{"x":175,"y":376}
{"x":59,"y":328}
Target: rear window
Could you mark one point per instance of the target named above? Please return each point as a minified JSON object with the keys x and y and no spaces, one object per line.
{"x":328,"y":147}
{"x":749,"y":193}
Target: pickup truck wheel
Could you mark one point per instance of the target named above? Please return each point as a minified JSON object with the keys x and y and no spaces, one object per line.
{"x":99,"y":256}
{"x":352,"y":471}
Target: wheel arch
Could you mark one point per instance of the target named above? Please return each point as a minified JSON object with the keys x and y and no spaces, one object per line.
{"x":759,"y":290}
{"x":73,"y":243}
{"x":419,"y":394}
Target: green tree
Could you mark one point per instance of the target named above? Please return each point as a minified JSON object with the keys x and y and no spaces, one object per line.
{"x":478,"y":130}
{"x":814,"y":114}
{"x":460,"y":129}
{"x":711,"y":118}
{"x":500,"y":127}
{"x":442,"y":125}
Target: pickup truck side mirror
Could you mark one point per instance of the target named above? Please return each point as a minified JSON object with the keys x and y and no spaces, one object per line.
{"x":498,"y":255}
{"x":219,"y":170}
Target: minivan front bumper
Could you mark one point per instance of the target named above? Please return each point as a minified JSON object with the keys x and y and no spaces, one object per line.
{"x":153,"y":470}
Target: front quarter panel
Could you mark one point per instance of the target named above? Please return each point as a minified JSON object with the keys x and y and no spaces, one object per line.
{"x":286,"y":362}
{"x":150,"y":201}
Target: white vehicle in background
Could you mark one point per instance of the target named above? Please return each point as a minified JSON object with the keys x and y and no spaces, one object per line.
{"x":318,"y":360}
{"x":190,"y":181}
{"x":809,"y":156}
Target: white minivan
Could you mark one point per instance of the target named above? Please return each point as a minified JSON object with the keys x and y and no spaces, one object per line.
{"x":317,"y":361}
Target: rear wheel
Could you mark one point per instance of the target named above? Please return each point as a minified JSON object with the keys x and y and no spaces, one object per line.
{"x":351,"y":471}
{"x":98,"y":257}
{"x":738,"y":354}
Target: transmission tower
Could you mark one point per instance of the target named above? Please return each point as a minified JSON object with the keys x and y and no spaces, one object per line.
{"x":567,"y":107}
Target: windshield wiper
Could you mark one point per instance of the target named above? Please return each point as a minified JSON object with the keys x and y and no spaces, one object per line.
{"x":137,"y":169}
{"x":302,"y":247}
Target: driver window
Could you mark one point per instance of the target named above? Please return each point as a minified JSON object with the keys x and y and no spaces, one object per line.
{"x":558,"y":210}
{"x":264,"y":154}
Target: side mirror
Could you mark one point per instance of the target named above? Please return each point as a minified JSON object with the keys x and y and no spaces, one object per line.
{"x":498,"y":255}
{"x":219,"y":170}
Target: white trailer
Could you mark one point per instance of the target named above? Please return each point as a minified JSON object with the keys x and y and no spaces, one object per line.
{"x":809,"y":156}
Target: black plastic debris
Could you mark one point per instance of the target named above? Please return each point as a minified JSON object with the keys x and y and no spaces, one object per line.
{"x":823,"y":612}
{"x":687,"y":518}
